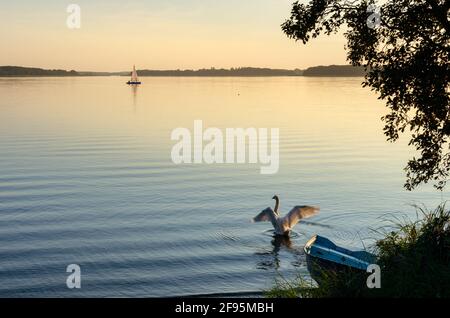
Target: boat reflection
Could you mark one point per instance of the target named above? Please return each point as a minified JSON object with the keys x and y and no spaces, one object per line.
{"x":134,"y":90}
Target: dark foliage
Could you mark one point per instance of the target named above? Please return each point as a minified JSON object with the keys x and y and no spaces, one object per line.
{"x":407,"y":61}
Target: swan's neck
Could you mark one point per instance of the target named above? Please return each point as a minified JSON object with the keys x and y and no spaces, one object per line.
{"x":277,"y":205}
{"x":274,"y":219}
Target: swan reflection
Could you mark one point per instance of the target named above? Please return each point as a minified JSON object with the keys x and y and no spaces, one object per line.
{"x":270,"y":259}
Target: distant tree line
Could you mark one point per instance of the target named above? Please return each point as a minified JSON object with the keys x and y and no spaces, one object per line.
{"x":335,"y":70}
{"x":241,"y":71}
{"x":30,"y":71}
{"x":332,"y":70}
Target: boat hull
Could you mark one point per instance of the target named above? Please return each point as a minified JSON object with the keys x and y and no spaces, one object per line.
{"x":322,"y":270}
{"x":324,"y":259}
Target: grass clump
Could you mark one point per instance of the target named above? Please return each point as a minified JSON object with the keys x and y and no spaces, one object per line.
{"x":300,"y":286}
{"x":414,"y":259}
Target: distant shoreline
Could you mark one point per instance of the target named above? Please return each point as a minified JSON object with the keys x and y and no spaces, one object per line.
{"x":179,"y":76}
{"x":317,"y":71}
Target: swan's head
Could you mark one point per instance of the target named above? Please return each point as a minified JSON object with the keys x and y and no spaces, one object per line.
{"x":275,"y":197}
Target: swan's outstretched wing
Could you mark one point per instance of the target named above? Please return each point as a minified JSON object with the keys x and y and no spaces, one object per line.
{"x":262,"y":217}
{"x":266,"y":215}
{"x":298,"y":213}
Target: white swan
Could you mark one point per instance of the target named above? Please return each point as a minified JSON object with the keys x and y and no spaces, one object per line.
{"x":284,"y":225}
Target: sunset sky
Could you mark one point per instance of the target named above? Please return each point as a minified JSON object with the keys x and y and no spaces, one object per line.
{"x":157,"y":34}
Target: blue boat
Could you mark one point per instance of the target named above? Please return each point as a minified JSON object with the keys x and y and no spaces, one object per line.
{"x":322,"y":255}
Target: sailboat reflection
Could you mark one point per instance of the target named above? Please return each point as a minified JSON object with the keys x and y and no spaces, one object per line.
{"x":134,"y":89}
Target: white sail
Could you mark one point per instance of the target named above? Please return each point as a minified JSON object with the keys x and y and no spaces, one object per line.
{"x":134,"y":77}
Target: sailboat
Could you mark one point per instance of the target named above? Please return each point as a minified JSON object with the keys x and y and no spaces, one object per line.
{"x":134,"y":78}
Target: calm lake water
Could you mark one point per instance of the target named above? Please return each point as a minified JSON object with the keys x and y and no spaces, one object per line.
{"x":86,"y":177}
